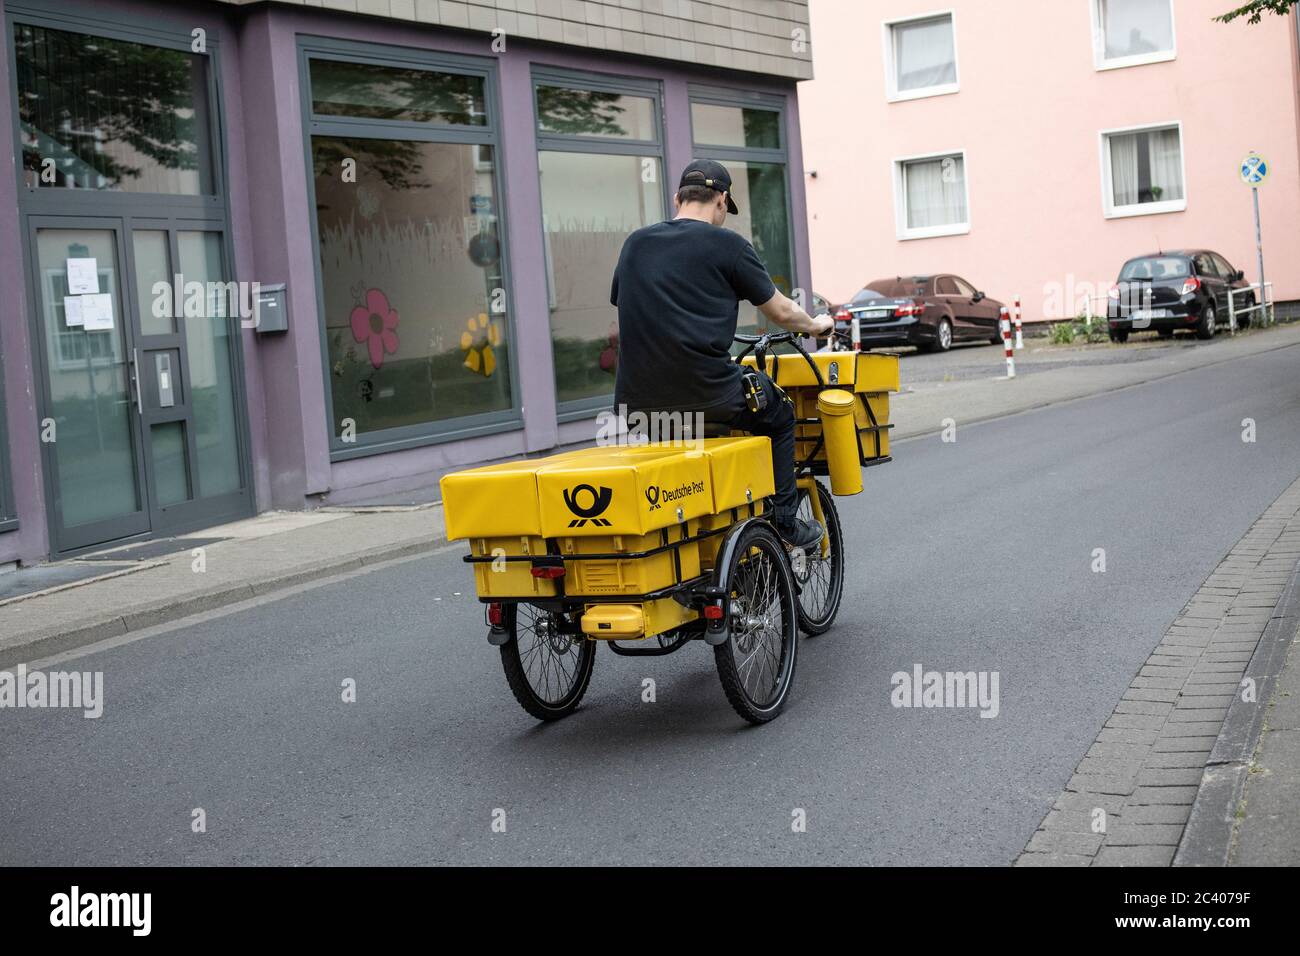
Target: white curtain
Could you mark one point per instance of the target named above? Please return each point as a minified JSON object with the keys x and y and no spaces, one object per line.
{"x":1165,"y":151}
{"x":935,"y":192}
{"x":924,"y":55}
{"x":1135,"y":27}
{"x":1124,"y":169}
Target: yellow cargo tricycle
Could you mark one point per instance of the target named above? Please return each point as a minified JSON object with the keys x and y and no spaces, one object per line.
{"x":646,"y":548}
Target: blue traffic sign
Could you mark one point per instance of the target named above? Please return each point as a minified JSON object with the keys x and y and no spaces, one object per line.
{"x":1254,"y":169}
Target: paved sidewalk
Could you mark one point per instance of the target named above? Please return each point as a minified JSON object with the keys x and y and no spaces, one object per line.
{"x":1130,"y":800}
{"x":1076,"y":372}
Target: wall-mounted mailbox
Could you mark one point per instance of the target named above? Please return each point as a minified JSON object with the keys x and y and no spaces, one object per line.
{"x":272,"y":308}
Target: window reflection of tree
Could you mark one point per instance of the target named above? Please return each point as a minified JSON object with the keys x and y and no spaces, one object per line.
{"x":78,"y":92}
{"x":580,"y":112}
{"x":386,"y":93}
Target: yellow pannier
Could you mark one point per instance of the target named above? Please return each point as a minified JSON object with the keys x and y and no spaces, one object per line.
{"x":871,"y":376}
{"x":593,"y":506}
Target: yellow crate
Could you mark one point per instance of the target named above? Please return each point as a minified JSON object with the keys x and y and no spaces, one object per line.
{"x":509,"y":579}
{"x":865,"y":371}
{"x":629,"y":576}
{"x":806,"y":436}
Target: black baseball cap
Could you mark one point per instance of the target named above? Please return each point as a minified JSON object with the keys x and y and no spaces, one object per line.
{"x":706,"y":172}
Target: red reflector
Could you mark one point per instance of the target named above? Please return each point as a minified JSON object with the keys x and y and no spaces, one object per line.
{"x":494,"y":615}
{"x":548,"y":573}
{"x":712,"y":612}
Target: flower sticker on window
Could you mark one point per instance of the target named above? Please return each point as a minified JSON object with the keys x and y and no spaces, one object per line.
{"x":375,"y":324}
{"x":478,"y":341}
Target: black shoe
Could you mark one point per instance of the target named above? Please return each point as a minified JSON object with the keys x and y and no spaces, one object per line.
{"x":797,"y":533}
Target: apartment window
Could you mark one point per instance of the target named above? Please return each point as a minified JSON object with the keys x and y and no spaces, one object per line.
{"x":601,"y":164}
{"x":1143,"y":171}
{"x":1132,"y":32}
{"x":410,"y":246}
{"x":931,"y":197}
{"x":921,"y":56}
{"x":745,"y":133}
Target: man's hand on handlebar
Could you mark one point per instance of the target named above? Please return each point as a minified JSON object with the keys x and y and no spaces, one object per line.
{"x":785,"y":312}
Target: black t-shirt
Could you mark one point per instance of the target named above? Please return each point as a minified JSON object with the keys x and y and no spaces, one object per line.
{"x":678,"y":286}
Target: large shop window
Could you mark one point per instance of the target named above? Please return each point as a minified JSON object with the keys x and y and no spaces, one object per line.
{"x":98,"y":113}
{"x":601,"y":162}
{"x":745,"y":133}
{"x":1143,"y":171}
{"x":413,"y":289}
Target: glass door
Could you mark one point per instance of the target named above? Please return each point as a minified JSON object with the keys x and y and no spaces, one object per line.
{"x":91,"y":424}
{"x":141,"y":394}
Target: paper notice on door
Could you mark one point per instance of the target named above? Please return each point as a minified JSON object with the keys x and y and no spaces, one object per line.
{"x":83,"y":277}
{"x":97,"y":312}
{"x":72,"y":311}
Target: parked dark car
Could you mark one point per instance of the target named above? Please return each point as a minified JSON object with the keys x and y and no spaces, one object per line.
{"x":930,"y":312}
{"x":1186,"y":289}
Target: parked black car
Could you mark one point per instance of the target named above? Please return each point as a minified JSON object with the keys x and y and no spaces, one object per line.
{"x":1186,"y":289}
{"x":930,"y":312}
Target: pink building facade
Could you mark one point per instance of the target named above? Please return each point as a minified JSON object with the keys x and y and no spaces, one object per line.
{"x":1032,"y":147}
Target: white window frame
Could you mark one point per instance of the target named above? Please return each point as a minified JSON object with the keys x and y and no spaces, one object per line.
{"x":904,"y":232}
{"x":1123,"y":62}
{"x":1109,"y":209}
{"x":891,"y":68}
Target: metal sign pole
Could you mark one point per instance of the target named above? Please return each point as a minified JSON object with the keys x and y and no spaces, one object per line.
{"x":1265,"y":314}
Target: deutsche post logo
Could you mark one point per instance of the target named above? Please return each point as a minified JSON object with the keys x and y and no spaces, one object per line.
{"x":652,"y":496}
{"x":591,"y":511}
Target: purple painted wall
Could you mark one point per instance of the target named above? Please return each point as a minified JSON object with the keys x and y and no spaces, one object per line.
{"x":30,"y":541}
{"x":270,"y":223}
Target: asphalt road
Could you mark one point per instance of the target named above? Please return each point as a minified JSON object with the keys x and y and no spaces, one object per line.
{"x":974,"y":555}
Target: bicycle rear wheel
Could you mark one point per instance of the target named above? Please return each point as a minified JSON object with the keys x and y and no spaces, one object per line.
{"x":756,"y":664}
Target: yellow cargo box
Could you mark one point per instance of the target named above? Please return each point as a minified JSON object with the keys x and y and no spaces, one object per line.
{"x":496,"y":501}
{"x":633,"y":490}
{"x":600,"y":492}
{"x":863,"y":371}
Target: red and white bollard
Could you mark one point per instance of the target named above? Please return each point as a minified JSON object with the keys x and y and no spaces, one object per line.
{"x":1020,"y":342}
{"x":1004,"y":323}
{"x":855,"y":333}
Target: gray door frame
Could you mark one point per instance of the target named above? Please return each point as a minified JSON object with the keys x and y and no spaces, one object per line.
{"x":123,"y":211}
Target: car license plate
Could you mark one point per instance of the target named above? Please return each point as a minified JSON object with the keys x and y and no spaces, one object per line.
{"x":877,"y":314}
{"x":1146,"y":315}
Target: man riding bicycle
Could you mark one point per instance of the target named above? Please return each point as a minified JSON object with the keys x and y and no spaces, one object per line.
{"x":677,"y":287}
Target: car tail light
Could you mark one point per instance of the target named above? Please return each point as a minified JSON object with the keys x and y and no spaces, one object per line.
{"x":495,"y":615}
{"x":909,"y":309}
{"x":843,"y":315}
{"x":548,"y":573}
{"x":1191,"y":285}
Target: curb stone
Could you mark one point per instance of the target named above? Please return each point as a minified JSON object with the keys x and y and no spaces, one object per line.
{"x":1207,"y":840}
